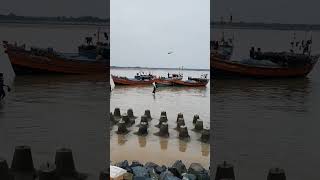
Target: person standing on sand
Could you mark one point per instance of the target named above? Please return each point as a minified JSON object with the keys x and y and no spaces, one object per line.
{"x":154,"y":88}
{"x":2,"y":92}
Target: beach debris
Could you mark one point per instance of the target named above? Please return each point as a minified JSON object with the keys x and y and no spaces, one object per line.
{"x":180,"y":122}
{"x":127,"y":120}
{"x":205,"y":135}
{"x":122,"y":128}
{"x":130,"y":114}
{"x":198,"y":126}
{"x":183,"y":133}
{"x":4,"y":170}
{"x":163,"y":119}
{"x":164,"y":130}
{"x":148,"y":114}
{"x":195,"y":118}
{"x":143,"y":129}
{"x":112,"y":119}
{"x":144,"y":119}
{"x":22,"y":160}
{"x":163,"y":113}
{"x":64,"y":163}
{"x":117,"y":113}
{"x":225,"y":171}
{"x":276,"y":174}
{"x":47,"y":171}
{"x":180,"y":115}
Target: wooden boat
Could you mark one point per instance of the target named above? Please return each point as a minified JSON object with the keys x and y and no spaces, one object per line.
{"x":47,"y":61}
{"x":223,"y":67}
{"x":192,"y":82}
{"x":167,"y":81}
{"x":268,"y":64}
{"x":131,"y":81}
{"x":91,"y":59}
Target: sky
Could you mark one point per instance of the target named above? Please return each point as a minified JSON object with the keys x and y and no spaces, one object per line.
{"x":277,"y":11}
{"x":76,"y":8}
{"x":144,"y":31}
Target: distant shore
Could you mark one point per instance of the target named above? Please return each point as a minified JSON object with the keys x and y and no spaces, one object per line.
{"x":265,"y":26}
{"x":59,"y":20}
{"x":23,"y":22}
{"x":185,"y":69}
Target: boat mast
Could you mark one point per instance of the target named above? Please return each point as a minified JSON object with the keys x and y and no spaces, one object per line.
{"x":310,"y":43}
{"x":98,"y":35}
{"x":222,"y":24}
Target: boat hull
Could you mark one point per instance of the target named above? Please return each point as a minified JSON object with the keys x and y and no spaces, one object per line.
{"x":190,"y":84}
{"x":222,"y":67}
{"x":25,"y":62}
{"x":163,"y":82}
{"x":126,"y":81}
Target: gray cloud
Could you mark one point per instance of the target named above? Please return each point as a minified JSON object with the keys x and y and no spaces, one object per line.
{"x":281,"y":11}
{"x":144,"y":31}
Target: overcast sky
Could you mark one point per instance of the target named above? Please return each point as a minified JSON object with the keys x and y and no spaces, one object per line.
{"x":56,"y":7}
{"x":282,"y":11}
{"x":144,"y":31}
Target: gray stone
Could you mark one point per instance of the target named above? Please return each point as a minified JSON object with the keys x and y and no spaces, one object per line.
{"x":140,"y":171}
{"x":181,"y":168}
{"x":167,"y":175}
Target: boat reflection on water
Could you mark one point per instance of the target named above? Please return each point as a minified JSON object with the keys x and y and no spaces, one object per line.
{"x":121,"y":139}
{"x":205,"y":149}
{"x":163,"y":143}
{"x":183,"y":146}
{"x":142,"y":141}
{"x":301,"y":85}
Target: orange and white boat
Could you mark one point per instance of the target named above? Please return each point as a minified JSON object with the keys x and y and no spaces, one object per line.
{"x":139,"y":79}
{"x":222,"y":67}
{"x":192,"y":82}
{"x":268,"y":64}
{"x":91,"y":59}
{"x":167,"y":81}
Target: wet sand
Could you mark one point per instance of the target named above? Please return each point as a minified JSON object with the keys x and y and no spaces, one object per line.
{"x":189,"y":101}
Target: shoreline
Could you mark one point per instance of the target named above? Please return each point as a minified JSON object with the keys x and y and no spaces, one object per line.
{"x":184,"y":69}
{"x":52,"y":23}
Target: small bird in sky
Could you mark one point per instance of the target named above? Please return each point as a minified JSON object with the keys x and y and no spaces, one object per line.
{"x":170,"y":52}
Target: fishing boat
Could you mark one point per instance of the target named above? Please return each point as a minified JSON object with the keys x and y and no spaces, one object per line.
{"x":193,"y":82}
{"x":266,"y":64}
{"x":91,"y":59}
{"x":167,"y":81}
{"x":139,"y":79}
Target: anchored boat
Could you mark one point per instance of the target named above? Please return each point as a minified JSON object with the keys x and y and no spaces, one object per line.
{"x":265,"y":64}
{"x":91,"y":59}
{"x":139,"y":79}
{"x":192,"y":82}
{"x":168,"y":81}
